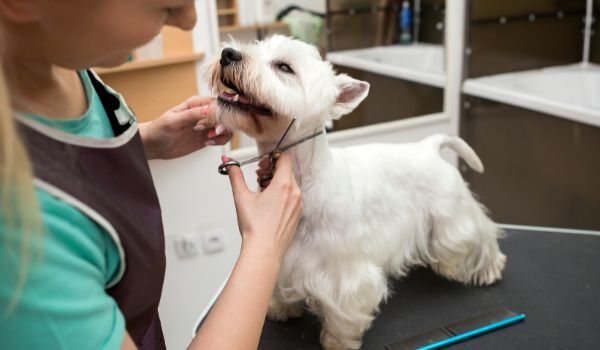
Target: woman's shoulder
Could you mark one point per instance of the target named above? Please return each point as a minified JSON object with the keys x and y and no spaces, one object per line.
{"x":62,"y":274}
{"x":67,"y":234}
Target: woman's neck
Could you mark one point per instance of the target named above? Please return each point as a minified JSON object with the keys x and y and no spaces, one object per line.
{"x":37,"y":86}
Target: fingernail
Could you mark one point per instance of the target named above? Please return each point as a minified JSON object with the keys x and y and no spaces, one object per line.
{"x":211,"y":134}
{"x":219,"y":129}
{"x":204,"y":110}
{"x":210,"y":143}
{"x":199,"y":127}
{"x":224,"y":159}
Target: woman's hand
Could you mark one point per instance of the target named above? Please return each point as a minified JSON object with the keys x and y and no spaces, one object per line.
{"x":263,"y":169}
{"x":268,"y":220}
{"x":184,"y":129}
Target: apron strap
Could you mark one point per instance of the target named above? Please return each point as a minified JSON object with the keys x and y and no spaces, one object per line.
{"x":110,"y":103}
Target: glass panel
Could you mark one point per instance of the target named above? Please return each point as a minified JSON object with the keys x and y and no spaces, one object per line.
{"x":395,"y":45}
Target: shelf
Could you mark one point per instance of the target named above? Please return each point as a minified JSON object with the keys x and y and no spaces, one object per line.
{"x":150,"y":63}
{"x":420,"y":63}
{"x":239,"y":28}
{"x":569,"y":92}
{"x":226,"y":12}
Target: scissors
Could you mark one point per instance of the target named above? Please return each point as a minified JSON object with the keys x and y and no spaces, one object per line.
{"x":273,"y":156}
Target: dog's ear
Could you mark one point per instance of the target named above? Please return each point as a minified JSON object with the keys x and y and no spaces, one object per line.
{"x":351,"y":92}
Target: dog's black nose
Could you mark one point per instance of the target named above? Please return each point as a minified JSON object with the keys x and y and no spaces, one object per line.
{"x":229,"y":56}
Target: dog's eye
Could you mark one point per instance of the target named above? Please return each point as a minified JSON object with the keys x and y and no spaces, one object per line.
{"x":285,"y":68}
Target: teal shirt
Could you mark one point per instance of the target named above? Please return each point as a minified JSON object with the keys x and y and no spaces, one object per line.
{"x":63,"y":304}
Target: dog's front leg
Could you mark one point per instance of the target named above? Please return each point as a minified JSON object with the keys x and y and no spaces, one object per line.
{"x":281,"y":311}
{"x":286,"y":302}
{"x":348,"y":312}
{"x":343,"y":326}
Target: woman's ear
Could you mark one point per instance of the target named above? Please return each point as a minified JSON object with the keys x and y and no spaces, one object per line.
{"x":20,"y":11}
{"x":351,"y":92}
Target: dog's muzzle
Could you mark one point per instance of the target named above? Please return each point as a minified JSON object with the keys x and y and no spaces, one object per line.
{"x":229,"y":56}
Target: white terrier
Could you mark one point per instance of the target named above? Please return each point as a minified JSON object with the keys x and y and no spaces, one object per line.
{"x":370,"y":211}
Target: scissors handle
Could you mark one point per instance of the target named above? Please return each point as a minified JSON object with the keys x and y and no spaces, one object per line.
{"x":224,"y":165}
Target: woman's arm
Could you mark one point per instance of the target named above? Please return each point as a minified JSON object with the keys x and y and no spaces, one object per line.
{"x":236,"y":319}
{"x":128,"y":343}
{"x":267,"y":222}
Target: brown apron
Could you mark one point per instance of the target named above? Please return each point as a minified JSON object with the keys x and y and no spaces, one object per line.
{"x":109,"y":180}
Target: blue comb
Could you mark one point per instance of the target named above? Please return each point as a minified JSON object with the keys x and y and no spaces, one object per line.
{"x":459,"y":331}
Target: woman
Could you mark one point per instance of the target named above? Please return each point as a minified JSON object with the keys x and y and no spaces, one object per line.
{"x":82,"y":254}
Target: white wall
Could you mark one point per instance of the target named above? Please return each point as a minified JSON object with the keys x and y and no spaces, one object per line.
{"x":195,"y":199}
{"x":248,"y":8}
{"x":315,"y":5}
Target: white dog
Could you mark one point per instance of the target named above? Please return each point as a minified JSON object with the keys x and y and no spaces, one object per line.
{"x":370,"y":211}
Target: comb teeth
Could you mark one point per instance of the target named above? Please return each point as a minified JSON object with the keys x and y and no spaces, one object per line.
{"x":443,"y":334}
{"x":478,"y":321}
{"x":420,"y":340}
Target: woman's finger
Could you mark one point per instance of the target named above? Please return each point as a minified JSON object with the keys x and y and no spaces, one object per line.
{"x":221,"y":139}
{"x":236,"y":177}
{"x":203,"y":125}
{"x":217,"y":131}
{"x":283,"y":170}
{"x":192,"y":102}
{"x":192,"y":116}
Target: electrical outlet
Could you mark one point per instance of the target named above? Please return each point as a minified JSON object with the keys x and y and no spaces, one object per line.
{"x":213,"y":241}
{"x":186,"y":246}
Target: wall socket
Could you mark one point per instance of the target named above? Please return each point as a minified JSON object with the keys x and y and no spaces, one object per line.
{"x":213,"y":241}
{"x":188,"y":245}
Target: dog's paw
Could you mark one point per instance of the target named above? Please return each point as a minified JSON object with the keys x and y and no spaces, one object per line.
{"x":282,"y":312}
{"x":331,"y":342}
{"x":483,"y":276}
{"x":492,"y":272}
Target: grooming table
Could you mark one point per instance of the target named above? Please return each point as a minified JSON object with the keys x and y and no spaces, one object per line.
{"x":552,"y":275}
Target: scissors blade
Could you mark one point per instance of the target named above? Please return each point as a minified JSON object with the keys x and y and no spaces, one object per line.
{"x":284,"y":134}
{"x":262,"y":156}
{"x":255,"y":159}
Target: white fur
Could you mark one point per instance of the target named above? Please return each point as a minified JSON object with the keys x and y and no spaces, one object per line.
{"x":370,"y":211}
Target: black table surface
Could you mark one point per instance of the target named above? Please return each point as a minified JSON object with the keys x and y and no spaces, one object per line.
{"x":553,"y":278}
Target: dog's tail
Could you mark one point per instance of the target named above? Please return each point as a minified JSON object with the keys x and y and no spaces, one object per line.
{"x":459,"y":146}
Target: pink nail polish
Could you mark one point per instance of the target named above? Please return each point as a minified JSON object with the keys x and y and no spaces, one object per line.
{"x":219,"y":129}
{"x":204,"y":110}
{"x":199,"y":127}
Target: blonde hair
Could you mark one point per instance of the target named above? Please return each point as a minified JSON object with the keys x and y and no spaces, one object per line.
{"x":19,"y":207}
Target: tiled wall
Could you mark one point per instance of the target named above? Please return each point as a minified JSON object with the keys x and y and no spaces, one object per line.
{"x":513,"y":35}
